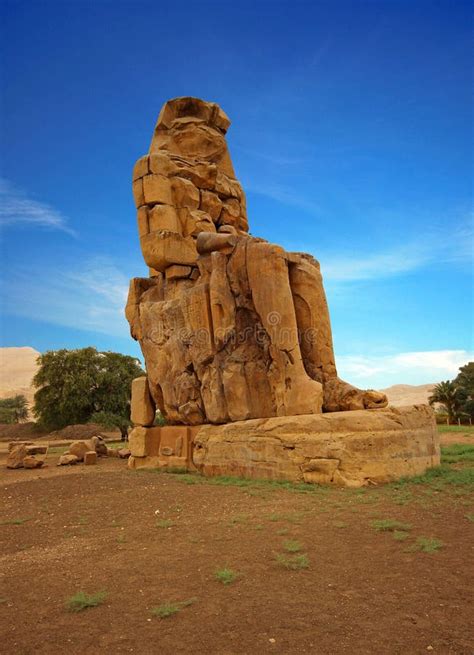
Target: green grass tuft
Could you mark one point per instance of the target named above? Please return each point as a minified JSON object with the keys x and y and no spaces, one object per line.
{"x":292,"y":546}
{"x":400,"y":535}
{"x":457,"y":452}
{"x":167,"y":609}
{"x":164,"y":523}
{"x":455,"y":428}
{"x":14,"y":521}
{"x":294,"y":562}
{"x":339,"y":524}
{"x":226,"y":576}
{"x":427,"y":545}
{"x":389,"y":525}
{"x":282,"y":531}
{"x":239,"y":518}
{"x":82,"y":601}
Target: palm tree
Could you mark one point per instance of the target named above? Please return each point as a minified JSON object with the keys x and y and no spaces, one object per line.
{"x":447,"y":394}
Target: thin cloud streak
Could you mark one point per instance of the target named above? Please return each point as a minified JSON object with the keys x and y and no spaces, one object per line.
{"x":17,"y":208}
{"x":454,"y":247}
{"x":419,"y":367}
{"x":91,"y":299}
{"x":285,"y":195}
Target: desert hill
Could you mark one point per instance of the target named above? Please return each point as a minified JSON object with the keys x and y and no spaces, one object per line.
{"x":17,"y":369}
{"x":408,"y":394}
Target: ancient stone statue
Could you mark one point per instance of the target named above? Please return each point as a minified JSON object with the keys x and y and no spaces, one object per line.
{"x":231,"y":327}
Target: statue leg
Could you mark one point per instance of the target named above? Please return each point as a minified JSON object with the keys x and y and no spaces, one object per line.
{"x":294,"y":390}
{"x":315,"y":337}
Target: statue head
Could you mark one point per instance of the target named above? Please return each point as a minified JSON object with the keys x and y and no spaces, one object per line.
{"x":191,"y":128}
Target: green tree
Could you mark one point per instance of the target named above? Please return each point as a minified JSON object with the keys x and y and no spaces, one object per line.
{"x":73,"y":385}
{"x":112,"y":421}
{"x":447,"y":394}
{"x":465,"y":384}
{"x":13,"y":409}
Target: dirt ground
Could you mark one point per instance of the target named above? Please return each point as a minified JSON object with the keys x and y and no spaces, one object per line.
{"x":145,"y":538}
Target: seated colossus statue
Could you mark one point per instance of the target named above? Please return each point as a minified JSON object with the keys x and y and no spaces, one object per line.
{"x":231,"y":327}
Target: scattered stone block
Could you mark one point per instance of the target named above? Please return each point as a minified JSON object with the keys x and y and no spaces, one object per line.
{"x":67,"y":460}
{"x":124,"y":453}
{"x":37,"y":450}
{"x":90,"y":458}
{"x":14,"y":444}
{"x":31,"y":462}
{"x":98,"y":444}
{"x":79,"y":449}
{"x":16,"y":456}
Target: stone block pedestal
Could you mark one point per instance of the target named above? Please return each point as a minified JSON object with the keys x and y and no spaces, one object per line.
{"x":343,"y":448}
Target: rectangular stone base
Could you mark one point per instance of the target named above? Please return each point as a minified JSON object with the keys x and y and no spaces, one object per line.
{"x":342,"y":448}
{"x":162,"y":447}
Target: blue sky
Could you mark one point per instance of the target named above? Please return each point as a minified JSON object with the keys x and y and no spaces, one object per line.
{"x":352,"y":136}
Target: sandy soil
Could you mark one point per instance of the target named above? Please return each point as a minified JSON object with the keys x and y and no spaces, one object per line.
{"x":148,"y":537}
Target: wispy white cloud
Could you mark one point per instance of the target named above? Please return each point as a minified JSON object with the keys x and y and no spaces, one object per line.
{"x":277,"y":159}
{"x":453,"y":246}
{"x":403,"y":368}
{"x":17,"y":208}
{"x":91,"y":298}
{"x":283,"y":194}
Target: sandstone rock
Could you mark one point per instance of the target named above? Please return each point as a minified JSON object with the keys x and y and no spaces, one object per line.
{"x":98,"y":444}
{"x":163,"y":248}
{"x":176,"y":271}
{"x":36,"y":450}
{"x":112,"y":452}
{"x":68,"y":459}
{"x":144,"y":441}
{"x":351,"y":448}
{"x":90,"y":458}
{"x":157,"y":189}
{"x":16,"y":457}
{"x":162,"y":447}
{"x":163,"y":217}
{"x":31,"y":462}
{"x":143,"y":408}
{"x":15,"y":444}
{"x":79,"y":449}
{"x":124,"y":453}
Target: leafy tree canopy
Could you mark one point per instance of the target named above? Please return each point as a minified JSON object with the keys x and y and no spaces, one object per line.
{"x":75,"y":384}
{"x":456,"y":396}
{"x":13,"y":409}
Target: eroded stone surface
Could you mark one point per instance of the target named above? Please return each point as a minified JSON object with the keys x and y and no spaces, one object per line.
{"x":162,"y":447}
{"x":142,"y":405}
{"x":231,"y":327}
{"x":344,"y":448}
{"x":16,"y":456}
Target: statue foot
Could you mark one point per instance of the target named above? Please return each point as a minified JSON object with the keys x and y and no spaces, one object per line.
{"x":340,"y":396}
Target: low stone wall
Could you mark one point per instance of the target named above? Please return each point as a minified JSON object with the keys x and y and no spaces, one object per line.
{"x":343,"y":448}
